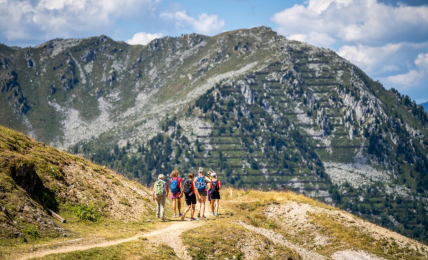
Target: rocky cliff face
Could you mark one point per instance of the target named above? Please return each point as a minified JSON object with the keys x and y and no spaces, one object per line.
{"x":260,"y":109}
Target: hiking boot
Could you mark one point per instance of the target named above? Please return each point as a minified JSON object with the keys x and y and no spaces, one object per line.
{"x":179,"y":214}
{"x":192,"y":219}
{"x":212,"y":213}
{"x":175,"y":215}
{"x":216,"y":214}
{"x":157,"y":216}
{"x":199,"y":215}
{"x":162,"y":220}
{"x":182,"y":217}
{"x":203,"y":217}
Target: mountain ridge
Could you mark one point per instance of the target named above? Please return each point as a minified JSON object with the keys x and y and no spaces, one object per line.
{"x":262,"y":110}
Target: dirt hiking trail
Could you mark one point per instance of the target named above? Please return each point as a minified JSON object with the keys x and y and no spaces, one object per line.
{"x":169,"y":235}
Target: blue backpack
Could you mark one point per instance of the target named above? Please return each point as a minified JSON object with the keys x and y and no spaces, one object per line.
{"x":200,"y":183}
{"x":174,"y":185}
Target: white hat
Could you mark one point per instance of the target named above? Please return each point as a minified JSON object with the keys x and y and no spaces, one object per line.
{"x":213,"y":174}
{"x":201,"y":169}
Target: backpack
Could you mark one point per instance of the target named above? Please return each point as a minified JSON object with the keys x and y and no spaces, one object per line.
{"x":174,"y":185}
{"x":187,"y":189}
{"x":159,"y":188}
{"x":200,"y":183}
{"x":214,"y":186}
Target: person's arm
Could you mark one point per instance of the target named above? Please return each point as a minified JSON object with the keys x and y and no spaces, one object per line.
{"x":207,"y":180}
{"x":219,"y":185}
{"x":181,"y":187}
{"x":167,"y":190}
{"x":196,"y":190}
{"x":154,"y":188}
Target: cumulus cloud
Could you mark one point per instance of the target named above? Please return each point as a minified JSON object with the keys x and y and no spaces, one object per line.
{"x":205,"y":24}
{"x":422,"y":61}
{"x":143,"y":38}
{"x":315,"y":38}
{"x":415,"y":77}
{"x":363,"y":21}
{"x":369,"y":58}
{"x":46,"y":19}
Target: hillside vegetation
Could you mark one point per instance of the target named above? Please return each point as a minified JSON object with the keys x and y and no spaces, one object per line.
{"x":263,"y":111}
{"x":109,"y":217}
{"x":34,"y":177}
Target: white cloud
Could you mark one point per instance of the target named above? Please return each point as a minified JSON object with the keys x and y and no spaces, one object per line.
{"x":363,"y":21}
{"x":46,"y":19}
{"x":143,"y":38}
{"x":368,"y":58}
{"x":317,"y":39}
{"x":415,"y":77}
{"x":205,"y":24}
{"x":411,"y":79}
{"x":422,"y":61}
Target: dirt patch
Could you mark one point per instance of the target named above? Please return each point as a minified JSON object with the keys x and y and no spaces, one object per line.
{"x":278,"y":238}
{"x":294,"y":217}
{"x":354,"y":255}
{"x":171,"y":236}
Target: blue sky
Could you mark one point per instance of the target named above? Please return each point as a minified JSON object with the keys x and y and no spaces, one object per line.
{"x":388,"y":39}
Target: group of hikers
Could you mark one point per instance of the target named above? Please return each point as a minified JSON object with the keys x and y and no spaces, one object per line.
{"x":194,"y":189}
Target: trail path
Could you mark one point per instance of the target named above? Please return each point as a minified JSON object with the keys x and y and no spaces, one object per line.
{"x":278,"y":238}
{"x":169,"y":235}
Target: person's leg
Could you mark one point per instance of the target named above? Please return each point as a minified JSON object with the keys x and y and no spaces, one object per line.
{"x":217,"y":205}
{"x":212,"y":206}
{"x":184,"y":213}
{"x":200,"y":204}
{"x":203,"y":199}
{"x":179,"y":205}
{"x":193,"y":210}
{"x":157,"y":207}
{"x":162,"y":207}
{"x":173,"y":206}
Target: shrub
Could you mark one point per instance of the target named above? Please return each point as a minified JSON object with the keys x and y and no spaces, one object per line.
{"x":86,"y":212}
{"x":33,"y":231}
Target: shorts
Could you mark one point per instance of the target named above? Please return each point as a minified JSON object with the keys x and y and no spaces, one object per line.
{"x":215,"y":195}
{"x":209,"y":197}
{"x":203,"y":193}
{"x":175,"y":195}
{"x":190,"y":199}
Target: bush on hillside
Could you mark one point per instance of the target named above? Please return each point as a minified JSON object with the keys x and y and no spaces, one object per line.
{"x":86,"y":212}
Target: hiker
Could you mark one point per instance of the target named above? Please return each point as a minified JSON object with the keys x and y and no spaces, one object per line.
{"x":176,"y":185}
{"x":201,"y":191}
{"x":215,"y":193}
{"x":160,"y":192}
{"x":189,"y":196}
{"x":211,"y":202}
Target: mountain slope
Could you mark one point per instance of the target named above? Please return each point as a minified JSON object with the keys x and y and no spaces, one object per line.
{"x":34,"y":177}
{"x":252,"y":224}
{"x":264,"y":111}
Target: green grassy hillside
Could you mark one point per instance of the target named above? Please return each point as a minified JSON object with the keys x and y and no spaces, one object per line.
{"x":34,"y":177}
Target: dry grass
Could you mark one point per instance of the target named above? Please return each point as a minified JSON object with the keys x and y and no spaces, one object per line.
{"x":222,"y":238}
{"x":343,"y":236}
{"x":132,"y":250}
